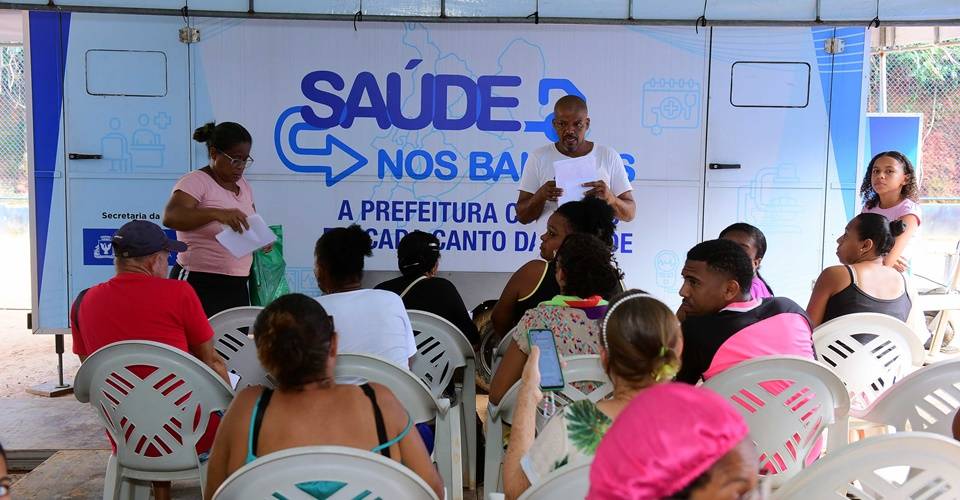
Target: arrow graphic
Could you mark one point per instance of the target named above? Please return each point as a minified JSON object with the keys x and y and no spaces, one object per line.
{"x":332,"y":177}
{"x":545,"y":126}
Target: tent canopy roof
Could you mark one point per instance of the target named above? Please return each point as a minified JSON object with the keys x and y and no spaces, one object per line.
{"x":717,"y":12}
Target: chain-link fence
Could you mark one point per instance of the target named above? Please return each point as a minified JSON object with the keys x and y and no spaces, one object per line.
{"x":926,"y":80}
{"x":13,"y":112}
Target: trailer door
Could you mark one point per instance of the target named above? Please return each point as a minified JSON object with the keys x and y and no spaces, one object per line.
{"x":766,"y":153}
{"x":127,"y":125}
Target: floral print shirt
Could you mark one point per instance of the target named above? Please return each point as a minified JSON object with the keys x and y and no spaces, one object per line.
{"x":571,"y":437}
{"x":575,"y":324}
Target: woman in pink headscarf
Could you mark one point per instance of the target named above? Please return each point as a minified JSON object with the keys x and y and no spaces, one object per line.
{"x":675,"y":441}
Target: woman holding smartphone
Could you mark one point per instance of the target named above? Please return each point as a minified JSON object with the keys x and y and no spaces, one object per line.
{"x":640,"y":347}
{"x":588,"y":277}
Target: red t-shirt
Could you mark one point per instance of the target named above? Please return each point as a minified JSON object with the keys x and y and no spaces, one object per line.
{"x":139,"y":307}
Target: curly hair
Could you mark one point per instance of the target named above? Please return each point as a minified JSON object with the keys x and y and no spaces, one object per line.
{"x":641,"y":336}
{"x":726,"y":257}
{"x":591,"y":216}
{"x":589,"y":267}
{"x":909,"y":191}
{"x":293,"y":336}
{"x":341,"y":251}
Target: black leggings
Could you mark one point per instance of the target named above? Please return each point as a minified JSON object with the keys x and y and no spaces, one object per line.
{"x":217,"y":292}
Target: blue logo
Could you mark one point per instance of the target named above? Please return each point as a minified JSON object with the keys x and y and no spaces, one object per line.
{"x":670,"y":103}
{"x":324,"y":164}
{"x":98,"y":246}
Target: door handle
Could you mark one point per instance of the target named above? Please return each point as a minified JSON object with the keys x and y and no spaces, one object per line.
{"x":81,"y":156}
{"x":723,"y":166}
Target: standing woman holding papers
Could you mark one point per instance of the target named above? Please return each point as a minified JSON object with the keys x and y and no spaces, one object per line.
{"x":206,"y":201}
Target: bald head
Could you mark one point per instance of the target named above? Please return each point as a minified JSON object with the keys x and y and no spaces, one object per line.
{"x":570,"y":122}
{"x":571,"y":103}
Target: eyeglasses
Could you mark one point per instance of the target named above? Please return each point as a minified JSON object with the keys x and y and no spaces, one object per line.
{"x":238,"y":163}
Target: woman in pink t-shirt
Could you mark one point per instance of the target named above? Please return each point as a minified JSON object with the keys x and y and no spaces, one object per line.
{"x":205,"y":200}
{"x":889,"y":188}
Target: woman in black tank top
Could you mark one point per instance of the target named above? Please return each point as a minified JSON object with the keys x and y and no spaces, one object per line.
{"x":297,"y":347}
{"x":863,"y":283}
{"x":536,"y":281}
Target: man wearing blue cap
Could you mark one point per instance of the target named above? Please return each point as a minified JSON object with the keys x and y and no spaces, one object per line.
{"x":139,"y":303}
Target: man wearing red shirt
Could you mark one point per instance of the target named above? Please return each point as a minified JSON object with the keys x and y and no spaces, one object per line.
{"x":140,"y":303}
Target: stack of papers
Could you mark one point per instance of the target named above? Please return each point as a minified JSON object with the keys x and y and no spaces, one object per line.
{"x":243,"y":244}
{"x":570,"y":175}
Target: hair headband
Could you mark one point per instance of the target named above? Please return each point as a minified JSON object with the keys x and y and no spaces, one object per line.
{"x":606,"y":319}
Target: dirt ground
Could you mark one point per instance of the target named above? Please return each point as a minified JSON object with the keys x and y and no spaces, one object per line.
{"x":25,"y":359}
{"x":28,"y":359}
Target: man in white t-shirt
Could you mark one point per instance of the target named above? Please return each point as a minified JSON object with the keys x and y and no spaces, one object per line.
{"x":538,"y":191}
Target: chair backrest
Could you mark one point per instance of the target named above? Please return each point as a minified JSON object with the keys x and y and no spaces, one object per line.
{"x":441,"y":350}
{"x":232,"y":330}
{"x":926,"y":400}
{"x":154,"y":400}
{"x":787,"y":402}
{"x":868,"y":351}
{"x":404,"y":384}
{"x":330,"y":472}
{"x":580,"y":371}
{"x":499,"y":352}
{"x":566,"y":482}
{"x":863,"y":470}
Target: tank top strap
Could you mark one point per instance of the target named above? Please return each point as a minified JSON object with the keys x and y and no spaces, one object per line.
{"x":256,"y":421}
{"x":546,"y":269}
{"x":378,"y":417}
{"x":853,"y":276}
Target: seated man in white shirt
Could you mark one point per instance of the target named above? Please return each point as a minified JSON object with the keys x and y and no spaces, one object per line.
{"x":538,"y":190}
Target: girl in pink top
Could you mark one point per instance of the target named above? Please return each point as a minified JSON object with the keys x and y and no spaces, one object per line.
{"x":889,"y":188}
{"x":205,"y":200}
{"x":752,"y":240}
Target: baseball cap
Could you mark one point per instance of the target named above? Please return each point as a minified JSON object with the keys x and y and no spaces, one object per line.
{"x":418,"y":250}
{"x":139,"y":237}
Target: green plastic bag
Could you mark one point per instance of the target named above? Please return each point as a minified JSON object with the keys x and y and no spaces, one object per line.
{"x":268,"y":277}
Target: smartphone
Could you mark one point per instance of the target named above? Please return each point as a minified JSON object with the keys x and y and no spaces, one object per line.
{"x":551,"y":375}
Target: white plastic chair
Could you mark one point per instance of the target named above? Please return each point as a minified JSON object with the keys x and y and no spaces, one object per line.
{"x":863,"y":469}
{"x":422,"y":406}
{"x":500,"y":351}
{"x":155,"y":402}
{"x":869,"y":352}
{"x":926,"y":400}
{"x":333,"y":472}
{"x":445,"y":361}
{"x":565,"y":482}
{"x":236,"y":347}
{"x":787,"y":402}
{"x":578,"y":369}
{"x":571,"y":481}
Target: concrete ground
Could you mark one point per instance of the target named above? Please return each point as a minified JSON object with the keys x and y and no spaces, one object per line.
{"x":61,"y":435}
